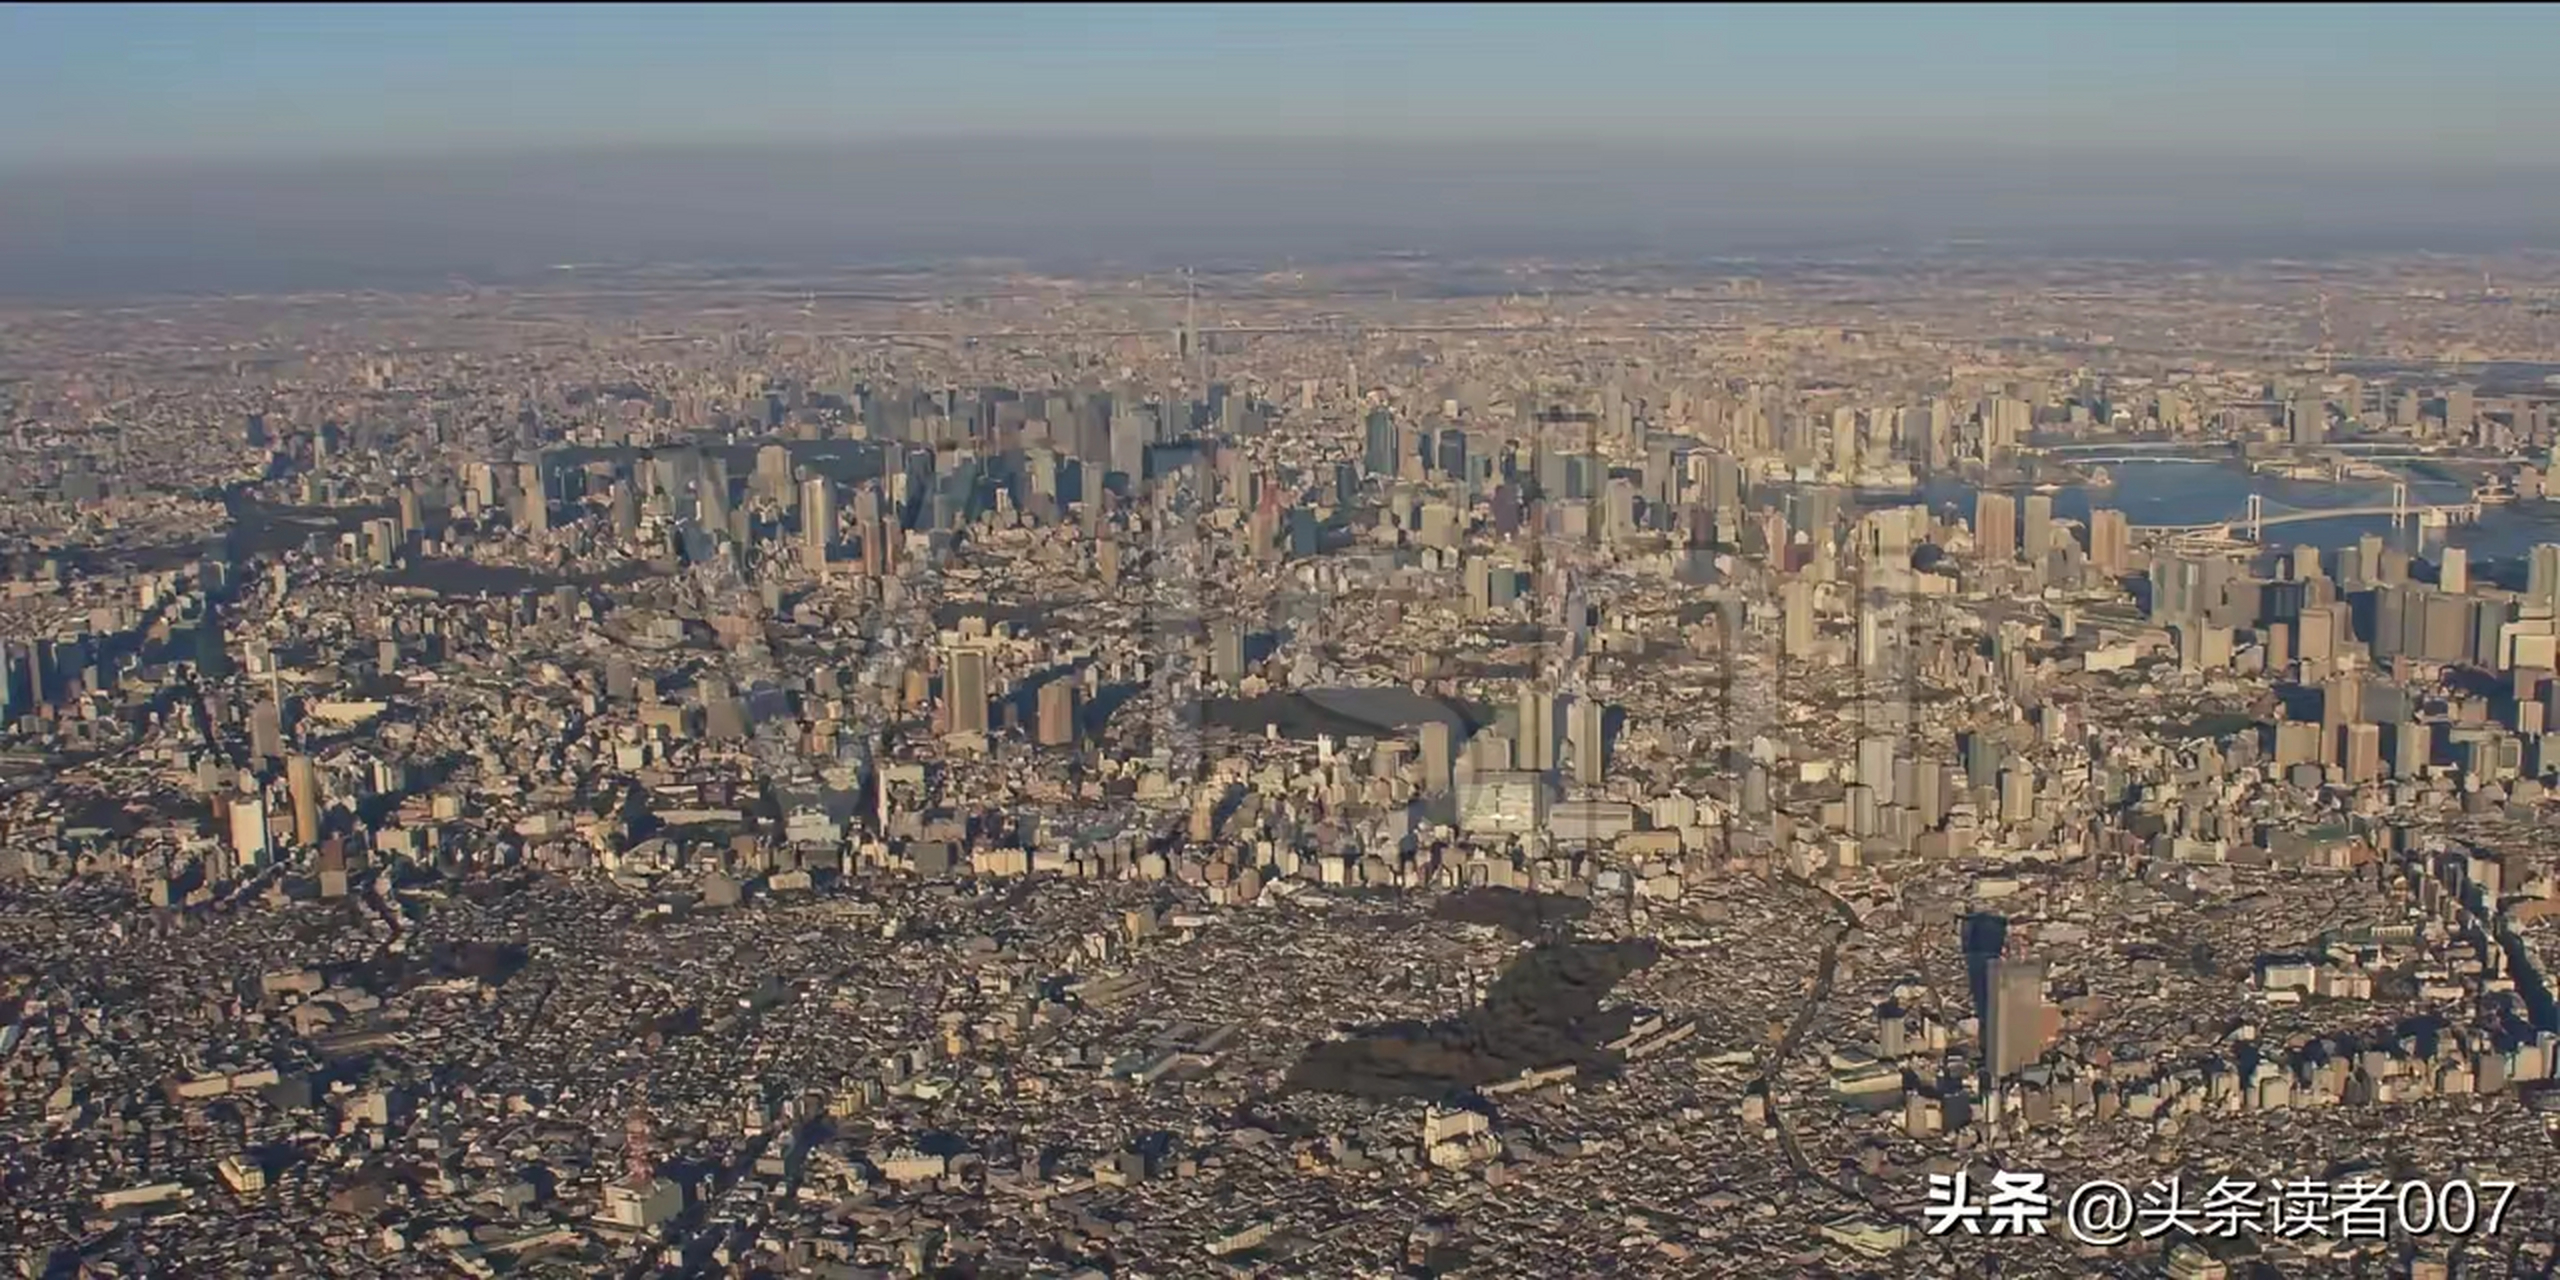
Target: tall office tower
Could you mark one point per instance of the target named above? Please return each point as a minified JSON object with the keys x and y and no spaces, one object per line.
{"x":332,"y":866}
{"x":381,"y":541}
{"x":2412,"y":744}
{"x":1413,"y":454}
{"x":1748,"y":433}
{"x":626,"y":510}
{"x":1876,"y":769}
{"x":2318,"y":632}
{"x":1619,"y":507}
{"x":1226,"y":650}
{"x":2305,"y":563}
{"x":1579,"y":475}
{"x":266,"y":730}
{"x":1237,"y":480}
{"x":1911,"y":428}
{"x":250,"y":844}
{"x":1439,"y":756}
{"x":1986,"y":939}
{"x":2006,"y":423}
{"x":481,"y":486}
{"x":1537,"y":729}
{"x":2453,"y":571}
{"x":2461,"y":413}
{"x":2404,"y":409}
{"x":1378,"y":446}
{"x":2110,"y":541}
{"x":1586,"y":735}
{"x":2391,"y":607}
{"x":2369,"y":550}
{"x":1665,"y":472}
{"x":2489,"y":635}
{"x":1724,"y":483}
{"x":1941,"y":452}
{"x":773,"y":474}
{"x":2542,"y":577}
{"x":303,"y":779}
{"x":1928,"y":794}
{"x":1305,"y":536}
{"x":2362,"y":752}
{"x":818,"y":530}
{"x":1262,"y":531}
{"x":1877,"y":638}
{"x":536,"y":499}
{"x":413,"y":513}
{"x":1796,"y":603}
{"x":15,"y":681}
{"x":711,"y":496}
{"x":1453,"y":454}
{"x":1546,"y":468}
{"x":1844,"y":441}
{"x":2307,"y":420}
{"x":1041,"y":464}
{"x":873,"y":535}
{"x":2014,"y":1018}
{"x":966,"y":690}
{"x":2038,"y":528}
{"x":2444,"y":630}
{"x":1884,"y":538}
{"x":1995,"y":527}
{"x":1133,"y":428}
{"x":2017,"y":792}
{"x":1058,"y":713}
{"x":1617,"y":416}
{"x":2341,"y":702}
{"x":1477,"y":575}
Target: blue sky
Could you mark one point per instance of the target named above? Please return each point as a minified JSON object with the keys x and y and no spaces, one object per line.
{"x":2465,"y":84}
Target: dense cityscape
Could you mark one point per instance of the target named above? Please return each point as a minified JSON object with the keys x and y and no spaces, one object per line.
{"x":1418,"y":767}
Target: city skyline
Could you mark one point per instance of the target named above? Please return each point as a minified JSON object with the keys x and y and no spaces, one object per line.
{"x":1068,"y":644}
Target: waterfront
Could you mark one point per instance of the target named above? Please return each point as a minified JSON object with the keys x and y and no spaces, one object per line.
{"x":2186,"y":493}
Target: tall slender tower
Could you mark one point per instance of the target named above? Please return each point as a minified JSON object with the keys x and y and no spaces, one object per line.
{"x":1995,"y":527}
{"x":638,"y":1162}
{"x":1191,"y":331}
{"x":817,"y":522}
{"x":966,"y":689}
{"x":302,"y":778}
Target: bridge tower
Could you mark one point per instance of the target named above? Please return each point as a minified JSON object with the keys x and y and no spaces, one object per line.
{"x":2399,"y":504}
{"x":2257,"y":517}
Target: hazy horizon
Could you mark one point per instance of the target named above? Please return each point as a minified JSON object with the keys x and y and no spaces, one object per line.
{"x":235,"y":82}
{"x":255,"y":148}
{"x":231,"y":227}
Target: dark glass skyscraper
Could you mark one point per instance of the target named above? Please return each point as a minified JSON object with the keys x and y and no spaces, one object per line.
{"x":1378,"y":454}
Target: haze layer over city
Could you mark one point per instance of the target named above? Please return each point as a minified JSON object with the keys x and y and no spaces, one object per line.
{"x":1116,"y":641}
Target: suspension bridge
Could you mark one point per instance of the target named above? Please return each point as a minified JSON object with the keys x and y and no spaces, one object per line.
{"x":2147,"y":459}
{"x":2258,"y":519}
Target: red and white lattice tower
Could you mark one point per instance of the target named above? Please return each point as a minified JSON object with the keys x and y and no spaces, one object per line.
{"x":635,"y":1143}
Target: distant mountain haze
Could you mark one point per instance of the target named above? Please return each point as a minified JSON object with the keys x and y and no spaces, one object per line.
{"x":250,"y":226}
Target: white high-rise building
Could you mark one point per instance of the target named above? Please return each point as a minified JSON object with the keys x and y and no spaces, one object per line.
{"x":250,"y":843}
